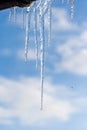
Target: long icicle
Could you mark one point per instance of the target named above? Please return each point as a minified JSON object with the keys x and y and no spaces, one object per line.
{"x":49,"y":22}
{"x":10,"y":14}
{"x":27,"y":34}
{"x":72,"y":9}
{"x":42,"y":53}
{"x":35,"y":34}
{"x":15,"y":14}
{"x":23,"y":17}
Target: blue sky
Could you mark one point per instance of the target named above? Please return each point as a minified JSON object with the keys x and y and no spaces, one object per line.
{"x":65,"y":85}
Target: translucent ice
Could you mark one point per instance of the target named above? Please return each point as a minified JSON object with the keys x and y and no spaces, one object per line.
{"x":41,"y":8}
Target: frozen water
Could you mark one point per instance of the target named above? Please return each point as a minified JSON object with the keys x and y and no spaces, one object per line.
{"x":71,"y":2}
{"x":40,"y":8}
{"x":35,"y":34}
{"x":22,"y":17}
{"x":72,"y":9}
{"x":10,"y":14}
{"x":49,"y":22}
{"x":15,"y":14}
{"x":27,"y":34}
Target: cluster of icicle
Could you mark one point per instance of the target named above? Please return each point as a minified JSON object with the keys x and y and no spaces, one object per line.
{"x":40,"y":8}
{"x":71,"y":2}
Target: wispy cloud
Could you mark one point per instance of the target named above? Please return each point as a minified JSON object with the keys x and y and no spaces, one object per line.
{"x":30,"y":56}
{"x":74,"y":54}
{"x":21,"y":99}
{"x":60,"y":21}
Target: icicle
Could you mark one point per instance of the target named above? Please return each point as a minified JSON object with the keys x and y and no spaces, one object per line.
{"x":49,"y":23}
{"x":35,"y":34}
{"x":23,"y":17}
{"x":10,"y":14}
{"x":42,"y":7}
{"x":72,"y":9}
{"x":28,"y":18}
{"x":42,"y":53}
{"x":27,"y":34}
{"x":15,"y":14}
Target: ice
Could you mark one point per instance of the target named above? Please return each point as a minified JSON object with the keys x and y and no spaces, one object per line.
{"x":72,"y":9}
{"x":49,"y":22}
{"x":10,"y":14}
{"x":41,"y":8}
{"x":35,"y":33}
{"x":27,"y":32}
{"x":15,"y":14}
{"x":42,"y":52}
{"x":71,"y":2}
{"x":45,"y":8}
{"x":22,"y":17}
{"x":42,"y":56}
{"x":27,"y":36}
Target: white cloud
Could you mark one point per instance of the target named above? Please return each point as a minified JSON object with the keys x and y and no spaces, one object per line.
{"x":30,"y":56}
{"x":60,"y":21}
{"x":74,"y":54}
{"x":21,"y":100}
